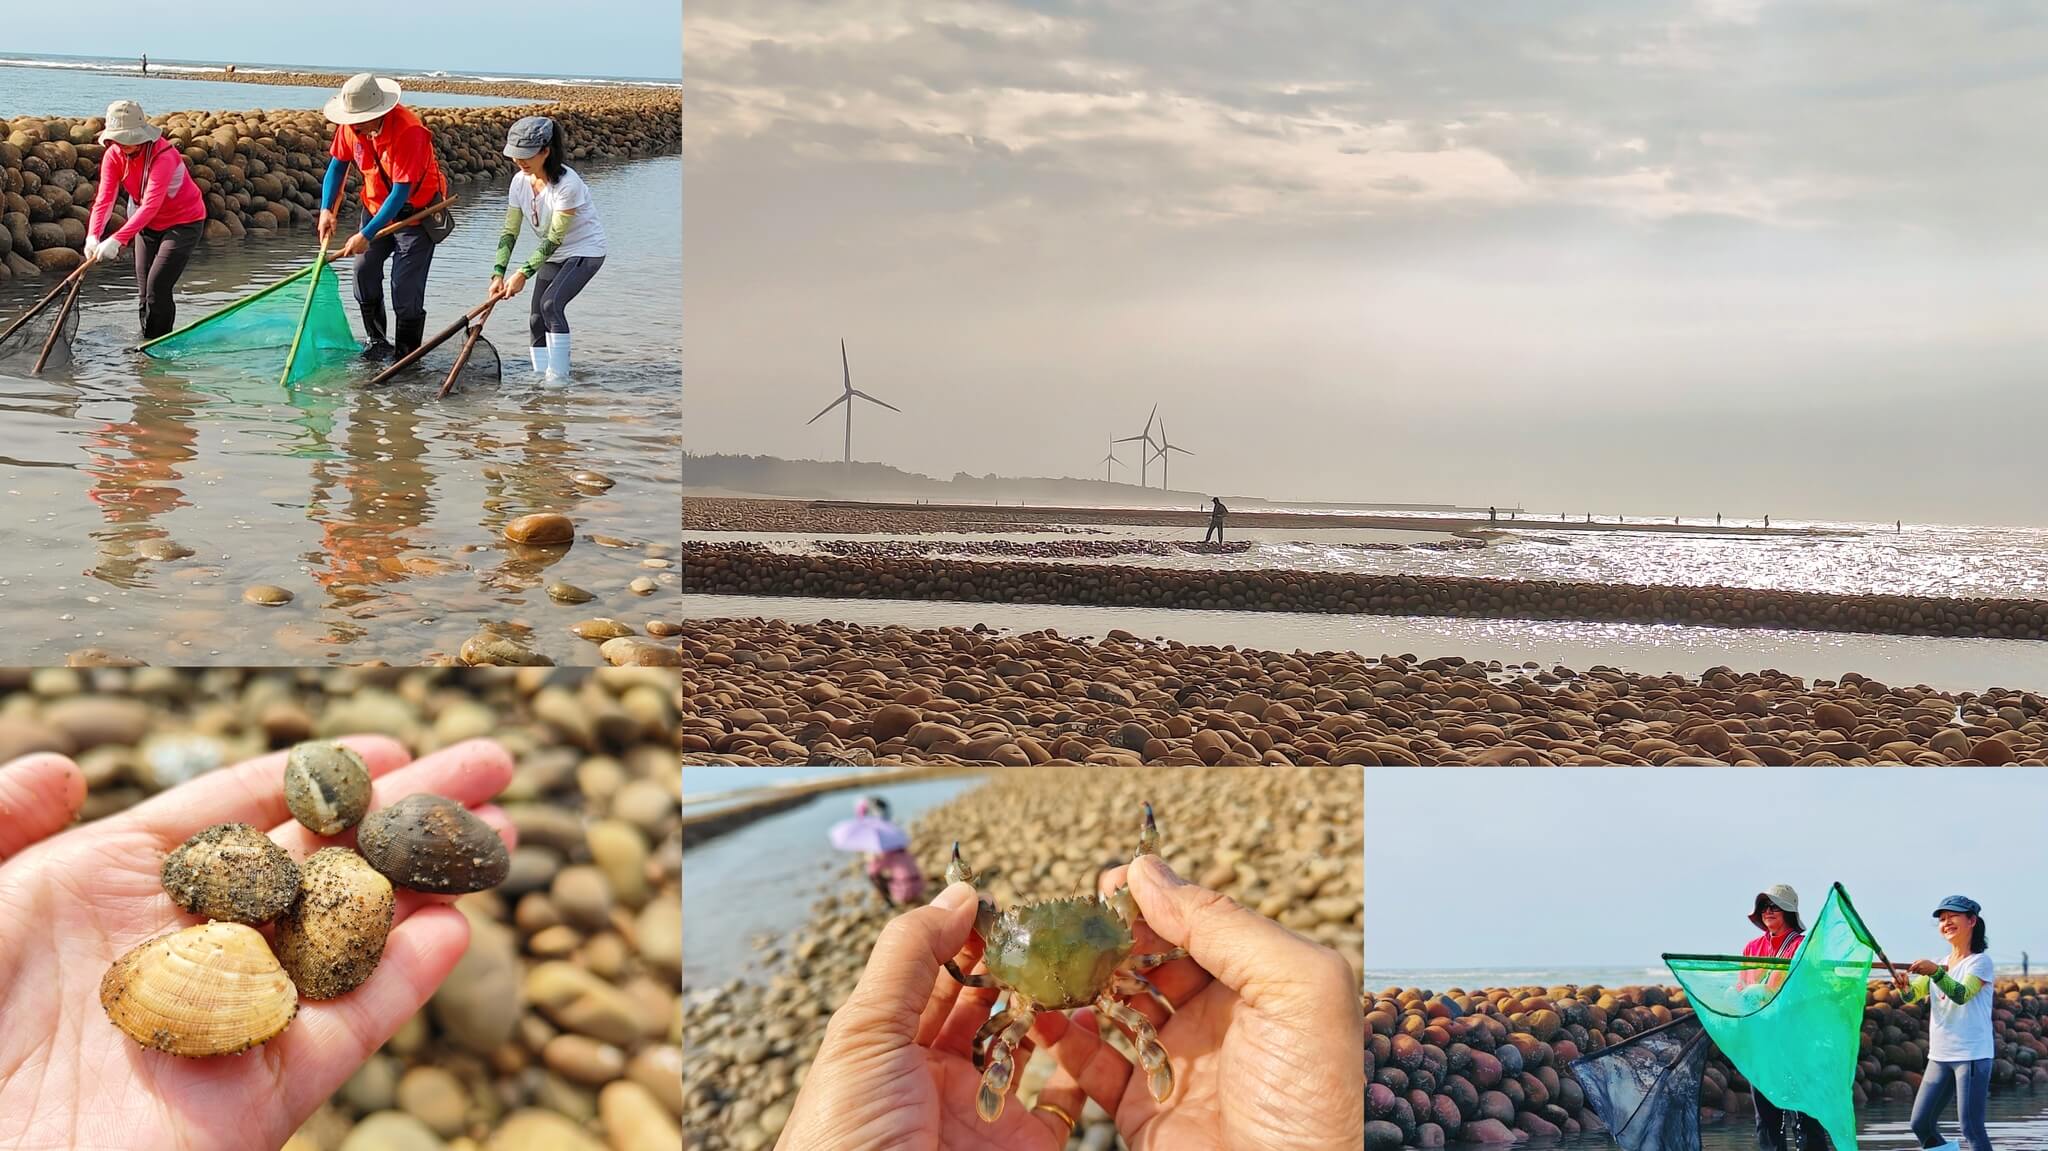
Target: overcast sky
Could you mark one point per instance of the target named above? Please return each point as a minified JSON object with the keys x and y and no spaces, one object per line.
{"x":1720,"y":256}
{"x":542,"y":37}
{"x":1591,"y":866}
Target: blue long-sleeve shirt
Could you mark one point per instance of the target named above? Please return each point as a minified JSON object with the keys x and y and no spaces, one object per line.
{"x":394,"y":204}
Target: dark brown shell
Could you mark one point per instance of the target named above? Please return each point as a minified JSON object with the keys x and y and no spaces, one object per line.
{"x":431,"y":843}
{"x":232,"y":872}
{"x":330,"y":942}
{"x":326,"y":786}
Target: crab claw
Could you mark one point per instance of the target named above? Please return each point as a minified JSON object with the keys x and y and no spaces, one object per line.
{"x":1148,"y":839}
{"x":957,"y":871}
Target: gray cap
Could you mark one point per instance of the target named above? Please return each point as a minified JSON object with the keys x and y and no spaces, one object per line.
{"x":528,"y":136}
{"x":1962,"y":903}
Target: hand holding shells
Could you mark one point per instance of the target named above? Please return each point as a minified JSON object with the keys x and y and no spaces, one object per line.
{"x":160,"y":914}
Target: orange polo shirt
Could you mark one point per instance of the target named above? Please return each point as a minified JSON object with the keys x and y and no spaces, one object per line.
{"x":401,"y":153}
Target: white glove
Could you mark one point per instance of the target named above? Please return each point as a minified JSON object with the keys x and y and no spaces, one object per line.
{"x":106,"y":249}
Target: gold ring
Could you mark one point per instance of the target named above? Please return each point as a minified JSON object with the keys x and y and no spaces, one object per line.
{"x":1055,"y":1109}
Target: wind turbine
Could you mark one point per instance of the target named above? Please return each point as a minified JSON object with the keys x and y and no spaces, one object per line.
{"x":846,"y":397}
{"x":1165,"y":447}
{"x":1145,"y":454}
{"x":1109,"y":459}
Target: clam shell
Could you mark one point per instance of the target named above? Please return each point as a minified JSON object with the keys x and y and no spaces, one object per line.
{"x":432,"y":843}
{"x":326,"y":786}
{"x":214,"y":989}
{"x":234,"y":872}
{"x":330,"y":941}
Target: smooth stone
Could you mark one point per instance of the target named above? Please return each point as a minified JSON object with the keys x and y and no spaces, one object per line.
{"x":489,"y":648}
{"x":620,"y":853}
{"x":658,"y":934}
{"x":597,"y":481}
{"x":162,"y":549}
{"x":436,"y":1098}
{"x":600,"y":629}
{"x":632,"y":651}
{"x":268,"y":595}
{"x":100,"y":657}
{"x":578,"y":1001}
{"x":568,"y":593}
{"x":543,"y":529}
{"x":642,"y":585}
{"x":374,"y":1086}
{"x":392,"y":1131}
{"x":634,"y":1119}
{"x":583,"y":896}
{"x":479,"y":1004}
{"x":581,"y":1059}
{"x":534,"y":1130}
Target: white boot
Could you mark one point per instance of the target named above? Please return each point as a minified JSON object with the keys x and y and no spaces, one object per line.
{"x":540,"y":361}
{"x":558,"y":357}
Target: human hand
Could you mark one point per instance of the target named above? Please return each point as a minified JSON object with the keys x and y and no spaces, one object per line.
{"x":71,"y":903}
{"x":357,"y":244}
{"x":1924,"y":967}
{"x":497,"y":287}
{"x":1264,"y":1037}
{"x":896,"y":1072}
{"x":325,"y":231}
{"x":514,"y":282}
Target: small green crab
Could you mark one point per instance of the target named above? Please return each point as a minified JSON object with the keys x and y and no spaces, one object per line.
{"x":1057,"y":955}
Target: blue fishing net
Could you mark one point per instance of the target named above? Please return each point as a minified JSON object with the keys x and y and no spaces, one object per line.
{"x":1646,"y":1088}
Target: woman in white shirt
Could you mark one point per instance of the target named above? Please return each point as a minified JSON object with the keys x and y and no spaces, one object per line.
{"x":1959,"y":1042}
{"x":549,"y":195}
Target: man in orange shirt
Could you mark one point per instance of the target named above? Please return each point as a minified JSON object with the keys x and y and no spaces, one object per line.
{"x":395,"y":153}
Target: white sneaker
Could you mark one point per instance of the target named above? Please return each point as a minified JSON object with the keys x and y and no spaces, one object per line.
{"x":540,"y":360}
{"x":558,"y":357}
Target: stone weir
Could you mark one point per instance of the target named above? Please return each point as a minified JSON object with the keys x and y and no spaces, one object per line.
{"x":719,"y":569}
{"x":261,"y":170}
{"x":1491,"y":1066}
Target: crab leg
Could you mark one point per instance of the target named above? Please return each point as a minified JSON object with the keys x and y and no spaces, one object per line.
{"x":1151,"y":1053}
{"x":1142,"y":962}
{"x":1002,"y":1054}
{"x":989,"y":1027}
{"x":976,"y":979}
{"x":1130,"y":983}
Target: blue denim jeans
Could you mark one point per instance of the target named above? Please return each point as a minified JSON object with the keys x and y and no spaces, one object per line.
{"x":1972,"y":1082}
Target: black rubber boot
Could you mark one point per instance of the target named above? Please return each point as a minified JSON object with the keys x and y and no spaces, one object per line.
{"x":411,"y":330}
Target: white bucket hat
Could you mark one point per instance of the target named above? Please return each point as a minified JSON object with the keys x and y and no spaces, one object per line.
{"x":365,"y":96}
{"x":1778,"y":895}
{"x":126,"y":124}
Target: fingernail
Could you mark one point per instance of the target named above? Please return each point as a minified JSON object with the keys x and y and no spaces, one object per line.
{"x":955,"y":895}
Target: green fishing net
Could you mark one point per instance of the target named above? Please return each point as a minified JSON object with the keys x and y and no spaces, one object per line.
{"x":255,"y":332}
{"x":1792,"y":1026}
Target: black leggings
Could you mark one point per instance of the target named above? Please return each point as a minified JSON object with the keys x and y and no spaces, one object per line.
{"x":160,"y":258}
{"x":553,"y":287}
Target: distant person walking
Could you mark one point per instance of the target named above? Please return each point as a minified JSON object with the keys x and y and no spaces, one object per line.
{"x":549,"y":195}
{"x":166,"y":211}
{"x":1492,"y":514}
{"x":1717,"y":519}
{"x":1216,"y":514}
{"x":145,"y":63}
{"x":1767,"y":520}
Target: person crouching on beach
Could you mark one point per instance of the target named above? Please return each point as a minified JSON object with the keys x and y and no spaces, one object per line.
{"x":549,"y":195}
{"x":395,"y":153}
{"x":1776,"y":911}
{"x":166,"y":211}
{"x":1959,"y":1039}
{"x":896,"y":877}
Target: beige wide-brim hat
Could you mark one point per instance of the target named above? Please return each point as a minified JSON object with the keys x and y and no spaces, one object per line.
{"x":1779,"y":895}
{"x":127,"y":125}
{"x":365,"y":96}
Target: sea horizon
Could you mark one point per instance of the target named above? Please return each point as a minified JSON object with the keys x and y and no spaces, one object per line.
{"x":202,"y":68}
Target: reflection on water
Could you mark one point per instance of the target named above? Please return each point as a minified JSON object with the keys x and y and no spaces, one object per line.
{"x":1921,"y":560}
{"x":144,"y":496}
{"x":762,"y":878}
{"x":1654,"y":649}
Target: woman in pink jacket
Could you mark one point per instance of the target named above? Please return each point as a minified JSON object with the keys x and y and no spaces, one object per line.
{"x":166,"y":211}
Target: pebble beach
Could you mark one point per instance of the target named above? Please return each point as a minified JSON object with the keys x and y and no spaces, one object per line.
{"x":1488,"y":1066}
{"x":1285,"y":843}
{"x":560,"y":1028}
{"x":772,"y":691}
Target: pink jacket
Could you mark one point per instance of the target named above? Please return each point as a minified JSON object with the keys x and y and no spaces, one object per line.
{"x":171,"y":198}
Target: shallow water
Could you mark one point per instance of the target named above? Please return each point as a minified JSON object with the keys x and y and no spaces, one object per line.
{"x":30,"y":90}
{"x":762,"y":878}
{"x":2016,"y":1121}
{"x":1948,"y":664}
{"x":381,"y":510}
{"x":1920,"y":560}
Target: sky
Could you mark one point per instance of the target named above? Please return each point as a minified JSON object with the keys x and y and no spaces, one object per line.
{"x":1591,"y":866}
{"x":541,"y":37}
{"x":1716,"y":255}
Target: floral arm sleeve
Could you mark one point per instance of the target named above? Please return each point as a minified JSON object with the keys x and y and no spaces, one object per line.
{"x":558,"y":227}
{"x":506,"y":239}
